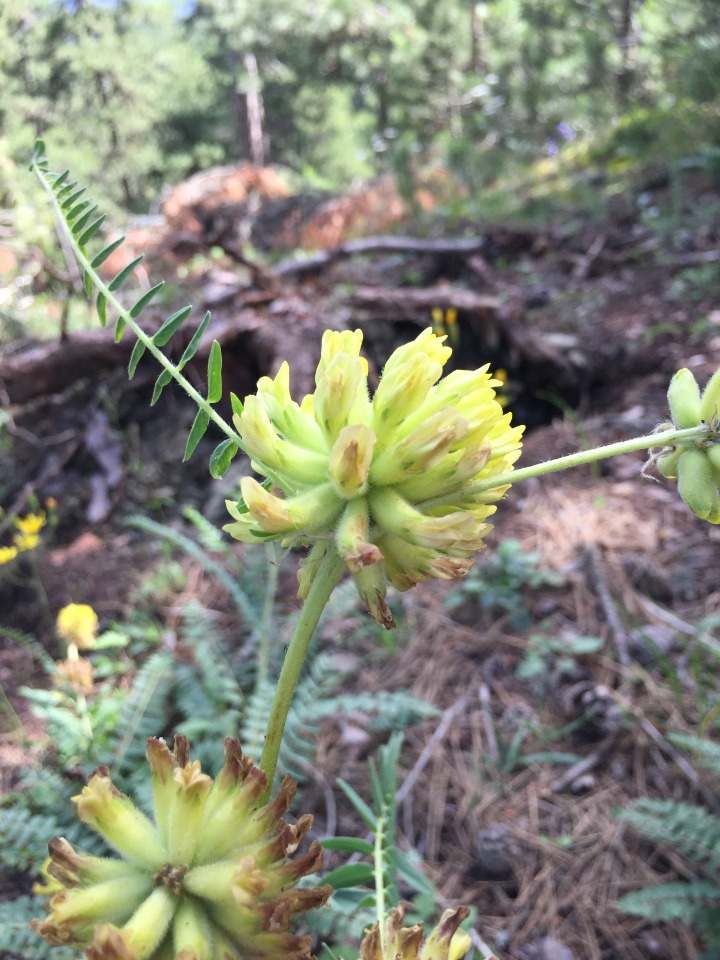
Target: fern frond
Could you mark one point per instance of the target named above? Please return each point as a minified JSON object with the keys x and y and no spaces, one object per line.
{"x":17,"y":940}
{"x":254,"y":721}
{"x":671,"y":901}
{"x":145,"y":712}
{"x":24,"y":836}
{"x":76,"y":219}
{"x":707,"y":752}
{"x":194,"y":550}
{"x":690,"y":830}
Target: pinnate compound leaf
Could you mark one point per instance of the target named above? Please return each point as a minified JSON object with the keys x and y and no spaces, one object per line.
{"x":215,"y":373}
{"x":222,"y":457}
{"x":91,"y":230}
{"x":197,"y":431}
{"x":162,"y":381}
{"x":191,"y":348}
{"x":145,"y":299}
{"x":105,"y":253}
{"x":170,"y":326}
{"x":135,"y":357}
{"x":102,"y":308}
{"x":123,"y":274}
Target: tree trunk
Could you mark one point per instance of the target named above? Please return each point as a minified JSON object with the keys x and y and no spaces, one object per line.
{"x":254,"y":112}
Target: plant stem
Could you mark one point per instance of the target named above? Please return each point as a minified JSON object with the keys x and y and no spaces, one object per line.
{"x":379,"y":868}
{"x":663,"y":439}
{"x":328,"y":574}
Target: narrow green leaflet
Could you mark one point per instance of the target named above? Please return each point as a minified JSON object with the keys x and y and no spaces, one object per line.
{"x":162,"y":381}
{"x":77,"y":209}
{"x":101,"y":257}
{"x":91,"y":230}
{"x":357,"y":801}
{"x":119,"y":329}
{"x":200,"y":425}
{"x":215,"y":373}
{"x":61,"y":178}
{"x":145,"y":299}
{"x":122,"y":276}
{"x":87,"y":284}
{"x":102,"y":308}
{"x":66,"y":189}
{"x":350,"y":875}
{"x":70,"y":201}
{"x":172,"y":324}
{"x":135,"y":357}
{"x":348,"y":845}
{"x":80,"y":224}
{"x":222,"y":457}
{"x":409,"y":872}
{"x":191,"y":348}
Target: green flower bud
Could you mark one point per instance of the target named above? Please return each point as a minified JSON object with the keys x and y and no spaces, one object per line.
{"x":710,"y":403}
{"x":696,"y":484}
{"x":684,"y":399}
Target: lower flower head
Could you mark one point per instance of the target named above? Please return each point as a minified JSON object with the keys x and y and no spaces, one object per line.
{"x":209,"y":877}
{"x":388,"y":482}
{"x":395,"y":942}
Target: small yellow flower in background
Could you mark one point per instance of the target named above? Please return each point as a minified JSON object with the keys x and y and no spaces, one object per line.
{"x":77,"y":624}
{"x":361,"y":475}
{"x":7,"y":554}
{"x":446,"y":942}
{"x":210,"y":879}
{"x":31,"y":524}
{"x":695,"y":463}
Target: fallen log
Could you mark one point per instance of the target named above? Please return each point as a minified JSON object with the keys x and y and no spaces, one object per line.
{"x":418,"y":303}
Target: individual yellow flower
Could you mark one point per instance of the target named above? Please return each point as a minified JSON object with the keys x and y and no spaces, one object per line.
{"x":26,"y":541}
{"x":209,"y":879}
{"x":77,"y":624}
{"x":7,"y":554}
{"x":446,"y":942}
{"x":387,"y":481}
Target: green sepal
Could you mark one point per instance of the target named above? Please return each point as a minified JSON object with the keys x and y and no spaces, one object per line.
{"x":221,"y":457}
{"x":348,"y":845}
{"x":87,"y":284}
{"x":667,"y":463}
{"x":101,"y":257}
{"x":191,"y":348}
{"x":145,"y":299}
{"x":91,"y":230}
{"x":350,"y":875}
{"x":197,"y":431}
{"x":162,"y":381}
{"x":123,"y":274}
{"x":710,"y":403}
{"x":214,"y":373}
{"x":236,"y":404}
{"x":684,"y":399}
{"x":135,"y":357}
{"x":171,"y":325}
{"x":81,"y":223}
{"x":102,"y":308}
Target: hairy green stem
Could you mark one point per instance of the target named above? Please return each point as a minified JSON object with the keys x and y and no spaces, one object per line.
{"x":665,"y":438}
{"x":124,"y":314}
{"x":379,"y":870}
{"x":326,"y":579}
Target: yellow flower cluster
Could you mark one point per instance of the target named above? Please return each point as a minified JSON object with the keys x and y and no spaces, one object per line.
{"x":386,"y":481}
{"x":210,"y":879}
{"x":27,"y":536}
{"x":446,"y":942}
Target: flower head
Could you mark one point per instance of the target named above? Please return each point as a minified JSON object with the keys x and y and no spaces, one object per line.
{"x":446,"y":942}
{"x":695,"y":463}
{"x":209,"y":877}
{"x":388,"y":481}
{"x":77,"y":625}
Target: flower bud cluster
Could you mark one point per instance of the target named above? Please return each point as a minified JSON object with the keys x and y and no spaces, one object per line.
{"x":209,"y":879}
{"x":695,"y":463}
{"x":387,"y":481}
{"x":446,"y":942}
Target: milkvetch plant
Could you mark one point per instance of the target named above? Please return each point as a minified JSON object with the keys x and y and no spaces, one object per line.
{"x":397,"y":489}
